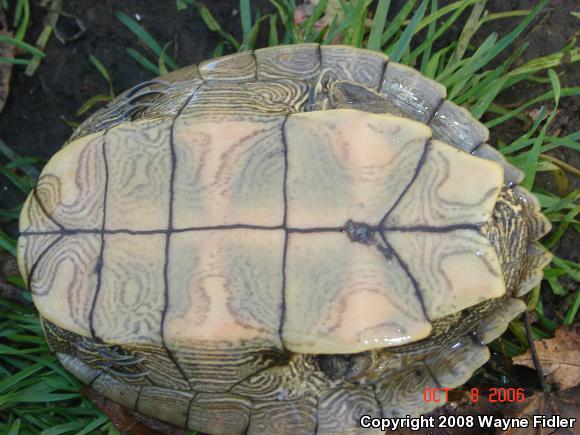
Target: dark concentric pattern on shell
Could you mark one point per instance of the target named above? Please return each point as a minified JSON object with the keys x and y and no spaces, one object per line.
{"x":208,"y":178}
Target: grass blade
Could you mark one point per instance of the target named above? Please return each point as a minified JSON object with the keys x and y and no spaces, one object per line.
{"x":286,"y":12}
{"x":145,"y":36}
{"x":467,"y":33}
{"x":396,"y":52}
{"x":103,"y":71}
{"x":566,"y":92}
{"x":531,"y":164}
{"x":29,"y":170}
{"x":378,"y":26}
{"x":214,"y":26}
{"x":571,"y":314}
{"x":145,"y":63}
{"x":395,"y":26}
{"x":250,"y":41}
{"x":22,"y":45}
{"x":476,"y":62}
{"x":23,"y":19}
{"x":316,"y":15}
{"x":246,"y":18}
{"x":433,"y":36}
{"x":348,"y":18}
{"x":273,"y":33}
{"x":430,"y":32}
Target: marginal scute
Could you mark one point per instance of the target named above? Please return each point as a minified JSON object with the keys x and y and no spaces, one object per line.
{"x":454,"y":125}
{"x":216,"y":367}
{"x":119,"y":392}
{"x":186,"y":74}
{"x":512,"y":175}
{"x":401,"y":393}
{"x":162,"y":97}
{"x":219,"y":413}
{"x":344,"y":297}
{"x":166,"y":405}
{"x":451,"y":188}
{"x":497,"y":321}
{"x":283,"y":417}
{"x":236,"y":67}
{"x":213,"y":101}
{"x":454,"y":270}
{"x":345,"y":164}
{"x":340,"y":410}
{"x":294,"y":379}
{"x":299,"y":62}
{"x":158,"y":365}
{"x":167,"y":97}
{"x":137,"y":365}
{"x":340,"y":62}
{"x":410,"y":93}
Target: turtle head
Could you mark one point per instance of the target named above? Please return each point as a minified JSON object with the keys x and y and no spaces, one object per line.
{"x":345,"y":94}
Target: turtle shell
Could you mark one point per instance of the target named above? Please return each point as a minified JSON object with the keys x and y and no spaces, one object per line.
{"x":279,"y":242}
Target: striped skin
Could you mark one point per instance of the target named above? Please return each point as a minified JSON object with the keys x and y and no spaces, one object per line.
{"x":146,"y":211}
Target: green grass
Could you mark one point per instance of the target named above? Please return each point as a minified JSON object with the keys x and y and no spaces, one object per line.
{"x":28,"y":54}
{"x":38,"y":396}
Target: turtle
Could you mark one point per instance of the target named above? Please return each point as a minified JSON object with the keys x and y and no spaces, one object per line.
{"x":282,"y":240}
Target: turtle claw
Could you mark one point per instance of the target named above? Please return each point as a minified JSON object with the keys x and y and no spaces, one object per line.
{"x":127,"y":375}
{"x":318,"y":94}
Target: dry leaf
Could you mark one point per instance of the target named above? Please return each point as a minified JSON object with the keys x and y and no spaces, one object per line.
{"x":559,"y":357}
{"x":6,"y":50}
{"x":563,"y":405}
{"x":8,"y":268}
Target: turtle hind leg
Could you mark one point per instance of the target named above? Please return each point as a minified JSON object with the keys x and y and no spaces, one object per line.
{"x":532,"y":273}
{"x":143,"y":364}
{"x":538,"y":225}
{"x":497,"y":321}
